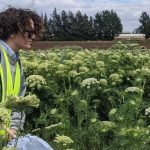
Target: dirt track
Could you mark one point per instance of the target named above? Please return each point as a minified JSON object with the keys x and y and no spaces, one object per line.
{"x":84,"y":44}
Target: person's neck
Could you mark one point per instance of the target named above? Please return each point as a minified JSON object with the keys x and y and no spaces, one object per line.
{"x":12,"y":46}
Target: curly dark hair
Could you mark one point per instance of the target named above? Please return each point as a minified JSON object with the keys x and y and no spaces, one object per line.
{"x":14,"y":20}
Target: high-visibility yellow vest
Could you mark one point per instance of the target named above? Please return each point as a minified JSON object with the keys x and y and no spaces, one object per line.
{"x":8,"y":86}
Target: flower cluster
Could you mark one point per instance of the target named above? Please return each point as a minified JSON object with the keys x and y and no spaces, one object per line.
{"x":106,"y":125}
{"x":94,"y":55}
{"x":133,"y":90}
{"x":35,"y":81}
{"x":44,"y":67}
{"x":72,"y":73}
{"x":115,"y":77}
{"x":22,"y":102}
{"x":129,"y":55}
{"x":30,"y":67}
{"x":145,"y":71}
{"x":61,"y":67}
{"x":69,"y":63}
{"x":147,"y":111}
{"x":89,"y":82}
{"x":65,"y":140}
{"x":103,"y":82}
{"x":83,"y":69}
{"x":82,"y":54}
{"x":114,"y":58}
{"x":134,"y":132}
{"x":100,"y":64}
{"x":61,"y":70}
{"x":52,"y":56}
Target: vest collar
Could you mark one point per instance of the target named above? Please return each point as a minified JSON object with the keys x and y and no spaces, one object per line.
{"x":9,"y":51}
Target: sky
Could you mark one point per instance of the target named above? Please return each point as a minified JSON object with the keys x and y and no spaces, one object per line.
{"x":129,"y":11}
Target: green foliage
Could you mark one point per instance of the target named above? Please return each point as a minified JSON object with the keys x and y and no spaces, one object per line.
{"x":145,"y":25}
{"x":90,"y":95}
{"x":64,"y":141}
{"x":126,"y":46}
{"x":107,"y":25}
{"x":14,"y":102}
{"x":22,"y":103}
{"x":4,"y":116}
{"x":98,"y":99}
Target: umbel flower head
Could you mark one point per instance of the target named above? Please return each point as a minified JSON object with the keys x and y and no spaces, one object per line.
{"x":100,"y":64}
{"x":145,"y":71}
{"x":103,"y":82}
{"x":65,"y":140}
{"x":22,"y":102}
{"x":115,"y":77}
{"x":133,"y":90}
{"x":89,"y":82}
{"x":72,"y":73}
{"x":35,"y":81}
{"x":147,"y":111}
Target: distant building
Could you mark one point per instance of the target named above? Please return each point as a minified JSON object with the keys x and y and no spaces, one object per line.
{"x":130,"y":36}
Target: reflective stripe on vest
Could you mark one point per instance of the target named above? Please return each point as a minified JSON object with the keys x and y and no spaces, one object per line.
{"x":9,"y":88}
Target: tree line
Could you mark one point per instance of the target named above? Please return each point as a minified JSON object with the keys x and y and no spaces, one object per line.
{"x":69,"y":26}
{"x":105,"y":25}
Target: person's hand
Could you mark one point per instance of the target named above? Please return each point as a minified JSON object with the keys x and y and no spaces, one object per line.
{"x":11,"y":133}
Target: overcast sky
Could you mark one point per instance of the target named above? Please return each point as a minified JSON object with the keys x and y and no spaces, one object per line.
{"x":128,"y":10}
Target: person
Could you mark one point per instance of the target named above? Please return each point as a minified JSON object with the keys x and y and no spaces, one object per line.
{"x":18,"y":30}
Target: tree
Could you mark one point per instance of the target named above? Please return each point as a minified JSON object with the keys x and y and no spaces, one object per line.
{"x":79,"y":26}
{"x":45,"y":34}
{"x":69,"y":26}
{"x":83,"y":27}
{"x":73,"y":27}
{"x":136,"y":31}
{"x":98,"y":24}
{"x":145,"y":25}
{"x":87,"y":28}
{"x":91,"y":30}
{"x":55,"y":26}
{"x":107,"y":25}
{"x":65,"y":26}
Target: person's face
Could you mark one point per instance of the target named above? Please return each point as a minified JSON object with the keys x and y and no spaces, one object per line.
{"x":25,"y":40}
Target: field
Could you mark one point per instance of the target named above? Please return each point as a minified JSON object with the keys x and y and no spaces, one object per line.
{"x":90,"y":100}
{"x":88,"y":44}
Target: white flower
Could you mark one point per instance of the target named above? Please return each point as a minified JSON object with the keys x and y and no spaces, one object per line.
{"x":147,"y":111}
{"x":35,"y":81}
{"x":115,"y":77}
{"x":103,"y":82}
{"x":72,"y":73}
{"x":133,"y":89}
{"x":89,"y":82}
{"x":100,"y":64}
{"x":65,"y":140}
{"x":147,"y":131}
